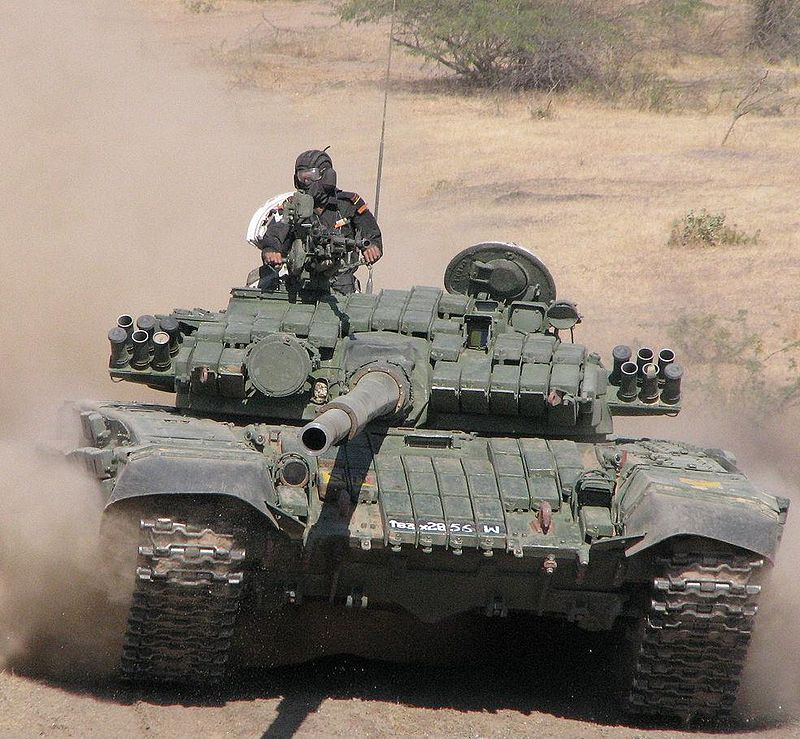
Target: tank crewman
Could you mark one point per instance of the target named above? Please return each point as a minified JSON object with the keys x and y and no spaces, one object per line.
{"x":343,"y":212}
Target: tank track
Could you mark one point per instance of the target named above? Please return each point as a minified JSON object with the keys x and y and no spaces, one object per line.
{"x":691,"y":643}
{"x":189,"y":583}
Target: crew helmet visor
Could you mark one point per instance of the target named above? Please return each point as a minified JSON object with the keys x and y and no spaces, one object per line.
{"x":306,"y":176}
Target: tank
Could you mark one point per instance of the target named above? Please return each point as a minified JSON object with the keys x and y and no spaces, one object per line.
{"x":427,"y":454}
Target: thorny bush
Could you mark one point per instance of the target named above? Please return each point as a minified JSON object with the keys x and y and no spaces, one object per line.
{"x":538,"y":44}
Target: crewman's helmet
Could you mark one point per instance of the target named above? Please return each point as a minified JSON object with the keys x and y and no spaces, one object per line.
{"x":314,"y":174}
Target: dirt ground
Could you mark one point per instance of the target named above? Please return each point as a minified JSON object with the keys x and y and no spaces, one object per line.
{"x":137,"y":139}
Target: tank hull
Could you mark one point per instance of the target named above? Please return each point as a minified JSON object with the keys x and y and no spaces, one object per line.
{"x":429,"y":523}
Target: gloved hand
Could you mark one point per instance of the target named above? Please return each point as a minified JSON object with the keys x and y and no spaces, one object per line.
{"x":372,"y":254}
{"x":272,"y":258}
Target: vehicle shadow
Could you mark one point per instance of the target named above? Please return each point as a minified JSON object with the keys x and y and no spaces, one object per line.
{"x":521,"y":664}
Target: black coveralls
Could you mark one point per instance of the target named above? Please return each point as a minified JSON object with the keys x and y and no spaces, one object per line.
{"x":347,"y":214}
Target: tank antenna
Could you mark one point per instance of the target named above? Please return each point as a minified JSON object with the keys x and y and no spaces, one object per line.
{"x":385,"y":102}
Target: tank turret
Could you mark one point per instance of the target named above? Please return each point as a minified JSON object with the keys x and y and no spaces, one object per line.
{"x":494,"y":351}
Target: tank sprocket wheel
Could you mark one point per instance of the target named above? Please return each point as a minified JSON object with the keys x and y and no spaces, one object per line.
{"x":688,"y":648}
{"x":184,"y":607}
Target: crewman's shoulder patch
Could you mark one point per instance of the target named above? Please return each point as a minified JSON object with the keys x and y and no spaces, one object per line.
{"x":357,"y":201}
{"x":353,"y":197}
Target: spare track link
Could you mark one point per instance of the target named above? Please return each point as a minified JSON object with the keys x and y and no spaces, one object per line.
{"x":691,"y":645}
{"x":185,"y":603}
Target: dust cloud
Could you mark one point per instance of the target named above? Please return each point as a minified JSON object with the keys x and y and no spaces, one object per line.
{"x":129,"y":175}
{"x":50,"y":604}
{"x":771,"y":684}
{"x":771,"y":459}
{"x":121,"y":191}
{"x":128,"y":178}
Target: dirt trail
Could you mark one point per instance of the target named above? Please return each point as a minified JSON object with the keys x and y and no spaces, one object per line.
{"x":129,"y":173}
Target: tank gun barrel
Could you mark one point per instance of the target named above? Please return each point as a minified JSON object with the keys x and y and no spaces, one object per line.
{"x":379,"y":392}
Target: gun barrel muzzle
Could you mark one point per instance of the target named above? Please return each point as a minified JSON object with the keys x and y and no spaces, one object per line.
{"x":377,"y":393}
{"x":329,"y":427}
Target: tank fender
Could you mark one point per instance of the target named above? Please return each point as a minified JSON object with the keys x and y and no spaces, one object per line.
{"x":660,"y":503}
{"x":161,"y":473}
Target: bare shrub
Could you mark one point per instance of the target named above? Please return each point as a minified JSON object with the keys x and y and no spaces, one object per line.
{"x":776,"y":28}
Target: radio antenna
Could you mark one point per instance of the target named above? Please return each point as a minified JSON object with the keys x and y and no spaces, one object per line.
{"x":385,"y":103}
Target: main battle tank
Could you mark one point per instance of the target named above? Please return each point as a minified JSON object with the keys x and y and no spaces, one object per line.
{"x":427,"y":452}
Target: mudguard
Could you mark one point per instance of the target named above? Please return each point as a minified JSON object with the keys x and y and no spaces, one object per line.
{"x":163,"y":473}
{"x":659,"y":503}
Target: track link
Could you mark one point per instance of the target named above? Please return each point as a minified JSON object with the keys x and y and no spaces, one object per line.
{"x":185,"y":603}
{"x":690,"y":645}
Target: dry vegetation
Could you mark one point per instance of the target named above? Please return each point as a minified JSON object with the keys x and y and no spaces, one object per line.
{"x":705,"y":230}
{"x":657,"y":55}
{"x":654,"y":54}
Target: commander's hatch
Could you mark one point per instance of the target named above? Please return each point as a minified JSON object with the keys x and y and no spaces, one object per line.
{"x":494,"y":270}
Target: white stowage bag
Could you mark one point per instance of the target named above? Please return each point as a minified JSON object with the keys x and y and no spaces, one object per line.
{"x":262,"y":217}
